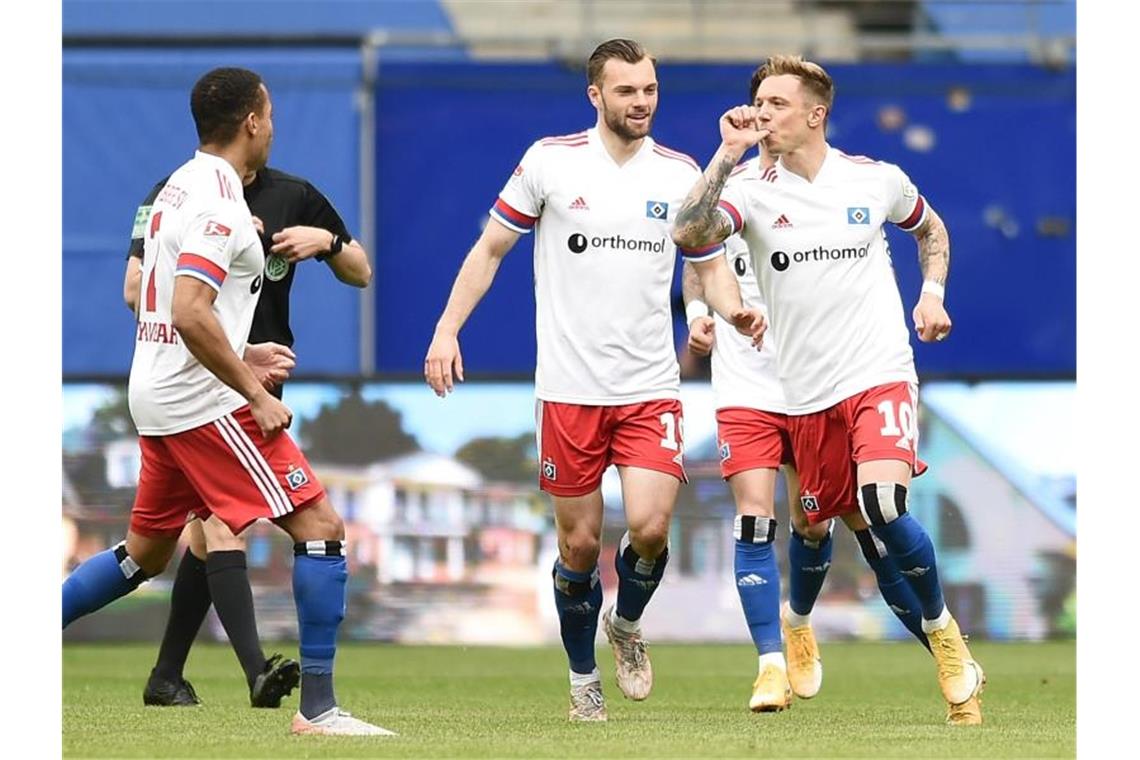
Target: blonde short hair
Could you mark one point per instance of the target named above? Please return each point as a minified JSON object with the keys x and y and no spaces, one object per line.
{"x":811,"y":75}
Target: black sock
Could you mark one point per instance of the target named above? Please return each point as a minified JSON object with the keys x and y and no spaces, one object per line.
{"x":229,"y":587}
{"x":189,"y":603}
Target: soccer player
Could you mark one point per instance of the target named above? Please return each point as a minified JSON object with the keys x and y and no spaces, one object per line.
{"x":606,"y":377}
{"x":295,"y":222}
{"x":752,"y":433}
{"x":212,"y":437}
{"x":813,"y":227}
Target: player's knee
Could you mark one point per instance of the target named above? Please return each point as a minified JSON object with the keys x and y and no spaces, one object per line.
{"x":149,"y":555}
{"x":580,"y":550}
{"x":882,"y":503}
{"x":650,"y":536}
{"x":196,"y":537}
{"x":318,"y":522}
{"x":806,"y":530}
{"x":800,"y":523}
{"x":218,"y":537}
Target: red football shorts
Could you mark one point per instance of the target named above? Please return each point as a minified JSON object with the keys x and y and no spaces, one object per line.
{"x":750,"y":439}
{"x":879,"y":423}
{"x":225,"y":467}
{"x":576,"y":443}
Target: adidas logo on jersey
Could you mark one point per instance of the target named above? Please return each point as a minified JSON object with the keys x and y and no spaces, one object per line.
{"x":781,"y":223}
{"x":579,"y":204}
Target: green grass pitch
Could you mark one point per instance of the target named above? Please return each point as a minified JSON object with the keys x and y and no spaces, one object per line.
{"x":878,"y":700}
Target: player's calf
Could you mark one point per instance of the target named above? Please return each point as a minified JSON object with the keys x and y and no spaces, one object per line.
{"x":809,"y":559}
{"x":113,"y":573}
{"x":884,"y":506}
{"x":896,"y":592}
{"x":758,"y":586}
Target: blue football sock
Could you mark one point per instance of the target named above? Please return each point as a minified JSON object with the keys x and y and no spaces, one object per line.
{"x":897,"y":593}
{"x":99,"y":581}
{"x":808,"y":562}
{"x":578,"y":599}
{"x":320,"y":574}
{"x":758,"y":580}
{"x":906,"y":541}
{"x":638,"y":578}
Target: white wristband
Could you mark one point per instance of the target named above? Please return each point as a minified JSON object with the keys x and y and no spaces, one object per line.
{"x":934,"y":289}
{"x":696,"y":308}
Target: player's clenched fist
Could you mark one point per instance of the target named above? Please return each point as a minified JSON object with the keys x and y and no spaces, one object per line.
{"x":444,"y":363}
{"x":931,"y":321}
{"x":750,"y":322}
{"x":271,"y":415}
{"x":740,"y":127}
{"x":702,"y":335}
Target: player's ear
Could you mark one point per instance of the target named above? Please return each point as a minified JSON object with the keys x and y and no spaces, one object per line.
{"x":817,"y":114}
{"x":595,"y":95}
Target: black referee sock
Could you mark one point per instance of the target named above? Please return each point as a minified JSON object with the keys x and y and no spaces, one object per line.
{"x":189,"y":603}
{"x":229,"y":588}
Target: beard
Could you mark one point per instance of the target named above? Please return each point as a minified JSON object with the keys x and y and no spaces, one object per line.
{"x":617,"y":124}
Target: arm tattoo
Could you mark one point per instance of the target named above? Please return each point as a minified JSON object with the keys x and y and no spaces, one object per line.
{"x":934,"y":249}
{"x":698,"y":221}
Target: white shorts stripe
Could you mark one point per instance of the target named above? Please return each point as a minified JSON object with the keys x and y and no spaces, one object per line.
{"x":243,"y":457}
{"x":259,"y":463}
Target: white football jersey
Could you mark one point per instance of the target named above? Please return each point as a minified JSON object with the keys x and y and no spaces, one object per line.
{"x":823,"y":264}
{"x":199,"y":227}
{"x":603,"y":266}
{"x":741,"y":375}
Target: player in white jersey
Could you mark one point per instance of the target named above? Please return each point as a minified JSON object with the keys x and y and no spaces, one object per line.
{"x":606,"y":378}
{"x":813,"y":225}
{"x":212,"y":437}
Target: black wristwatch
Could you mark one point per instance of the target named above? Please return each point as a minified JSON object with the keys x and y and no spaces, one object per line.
{"x":334,"y":249}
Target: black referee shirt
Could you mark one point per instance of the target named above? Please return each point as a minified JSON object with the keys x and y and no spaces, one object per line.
{"x":280,"y":200}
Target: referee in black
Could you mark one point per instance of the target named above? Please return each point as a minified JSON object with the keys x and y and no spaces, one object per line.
{"x":296,"y":222}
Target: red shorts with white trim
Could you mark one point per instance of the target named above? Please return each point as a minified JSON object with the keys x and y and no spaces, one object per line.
{"x":879,"y":423}
{"x":576,"y":443}
{"x":750,"y":439}
{"x":225,"y":467}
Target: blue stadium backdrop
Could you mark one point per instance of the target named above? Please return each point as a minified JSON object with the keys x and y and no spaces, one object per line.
{"x":992,"y":147}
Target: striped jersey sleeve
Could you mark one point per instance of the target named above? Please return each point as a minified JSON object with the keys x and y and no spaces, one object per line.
{"x":209,"y":244}
{"x":519,"y":205}
{"x":907,"y":207}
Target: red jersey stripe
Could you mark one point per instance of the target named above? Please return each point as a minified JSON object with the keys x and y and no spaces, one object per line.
{"x":512,"y":215}
{"x":915,"y":217}
{"x":195,"y":263}
{"x":676,"y":156}
{"x":733,"y":214}
{"x":703,"y":251}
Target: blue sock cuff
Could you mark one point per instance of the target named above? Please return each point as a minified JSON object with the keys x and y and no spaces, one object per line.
{"x":571,"y":582}
{"x":811,"y":544}
{"x":99,"y":581}
{"x":631,"y":562}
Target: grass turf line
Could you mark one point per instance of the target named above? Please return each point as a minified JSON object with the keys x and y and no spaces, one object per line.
{"x":877,"y":700}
